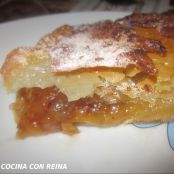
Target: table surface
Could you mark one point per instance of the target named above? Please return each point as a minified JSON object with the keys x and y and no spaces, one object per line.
{"x":16,"y":9}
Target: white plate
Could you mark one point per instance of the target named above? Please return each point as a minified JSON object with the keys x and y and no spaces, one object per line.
{"x":125,"y":148}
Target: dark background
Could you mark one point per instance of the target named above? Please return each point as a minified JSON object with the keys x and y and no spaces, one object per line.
{"x":16,"y":9}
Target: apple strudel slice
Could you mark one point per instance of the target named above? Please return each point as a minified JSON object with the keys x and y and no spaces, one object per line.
{"x":102,"y":74}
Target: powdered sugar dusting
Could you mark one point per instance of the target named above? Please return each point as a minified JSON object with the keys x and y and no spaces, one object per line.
{"x":102,"y":44}
{"x":81,"y":50}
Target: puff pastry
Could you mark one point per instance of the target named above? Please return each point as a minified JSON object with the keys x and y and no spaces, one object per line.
{"x":102,"y":74}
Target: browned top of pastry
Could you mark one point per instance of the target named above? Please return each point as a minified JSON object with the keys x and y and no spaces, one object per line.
{"x":108,"y":43}
{"x":163,"y":22}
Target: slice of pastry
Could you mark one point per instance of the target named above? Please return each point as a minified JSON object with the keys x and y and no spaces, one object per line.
{"x":102,"y":74}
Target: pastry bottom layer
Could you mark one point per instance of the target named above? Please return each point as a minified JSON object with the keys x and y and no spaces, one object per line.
{"x":42,"y":111}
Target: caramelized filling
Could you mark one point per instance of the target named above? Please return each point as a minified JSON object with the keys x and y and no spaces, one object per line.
{"x":42,"y":111}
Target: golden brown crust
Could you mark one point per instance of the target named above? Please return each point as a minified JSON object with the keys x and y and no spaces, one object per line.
{"x":111,"y":44}
{"x":162,"y":22}
{"x":116,"y":40}
{"x":121,"y":35}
